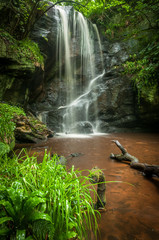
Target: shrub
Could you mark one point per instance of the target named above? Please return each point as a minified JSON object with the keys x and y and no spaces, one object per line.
{"x":7,"y":126}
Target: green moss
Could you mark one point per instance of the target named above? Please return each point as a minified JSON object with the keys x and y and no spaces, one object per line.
{"x":26,"y":52}
{"x":38,"y":125}
{"x":7,"y":126}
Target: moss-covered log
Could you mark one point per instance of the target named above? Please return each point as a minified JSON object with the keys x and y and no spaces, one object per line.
{"x":97,"y":176}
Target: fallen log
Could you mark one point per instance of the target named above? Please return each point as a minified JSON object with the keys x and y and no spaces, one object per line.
{"x":147,"y":169}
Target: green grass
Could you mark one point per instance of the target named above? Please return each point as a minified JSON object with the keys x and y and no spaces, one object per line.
{"x":44,"y":201}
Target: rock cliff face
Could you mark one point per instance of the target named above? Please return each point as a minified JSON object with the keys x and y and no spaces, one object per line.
{"x":116,"y":103}
{"x":20,"y":80}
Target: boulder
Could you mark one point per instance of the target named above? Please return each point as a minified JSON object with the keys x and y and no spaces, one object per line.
{"x":83,"y":127}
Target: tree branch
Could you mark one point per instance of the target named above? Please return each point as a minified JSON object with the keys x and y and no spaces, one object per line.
{"x":147,"y":169}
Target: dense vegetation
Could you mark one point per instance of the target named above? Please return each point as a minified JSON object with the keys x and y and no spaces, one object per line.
{"x":7,"y":127}
{"x":44,"y":201}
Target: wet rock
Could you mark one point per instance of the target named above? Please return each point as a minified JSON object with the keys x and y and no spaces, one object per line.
{"x":84,"y":127}
{"x":60,"y":160}
{"x":75,"y":154}
{"x":20,"y":77}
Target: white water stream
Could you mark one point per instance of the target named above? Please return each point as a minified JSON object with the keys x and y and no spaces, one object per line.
{"x":77,"y":43}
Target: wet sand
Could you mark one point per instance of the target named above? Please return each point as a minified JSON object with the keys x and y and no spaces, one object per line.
{"x":132,"y":212}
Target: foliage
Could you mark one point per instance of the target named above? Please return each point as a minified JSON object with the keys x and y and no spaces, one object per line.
{"x":31,"y":51}
{"x":44,"y":200}
{"x":4,"y":148}
{"x":7,"y":126}
{"x":121,"y":17}
{"x":25,"y":51}
{"x":144,"y":71}
{"x":21,"y":16}
{"x":21,"y":209}
{"x":36,"y":124}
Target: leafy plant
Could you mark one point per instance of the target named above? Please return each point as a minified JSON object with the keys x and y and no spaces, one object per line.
{"x":21,"y":209}
{"x":62,"y":197}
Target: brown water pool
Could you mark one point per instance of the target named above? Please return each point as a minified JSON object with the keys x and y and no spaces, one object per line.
{"x":132,"y":212}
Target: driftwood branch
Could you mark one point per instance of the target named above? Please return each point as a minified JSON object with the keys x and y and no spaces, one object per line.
{"x":147,"y":169}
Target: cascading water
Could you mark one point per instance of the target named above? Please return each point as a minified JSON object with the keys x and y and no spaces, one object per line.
{"x":77,"y":68}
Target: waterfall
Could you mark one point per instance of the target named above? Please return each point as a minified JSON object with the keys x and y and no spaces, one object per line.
{"x":77,"y":43}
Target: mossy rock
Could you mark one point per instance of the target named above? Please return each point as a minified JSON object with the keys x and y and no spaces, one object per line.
{"x":30,"y":130}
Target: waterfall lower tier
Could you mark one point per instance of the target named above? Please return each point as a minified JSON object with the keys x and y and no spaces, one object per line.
{"x":78,"y":71}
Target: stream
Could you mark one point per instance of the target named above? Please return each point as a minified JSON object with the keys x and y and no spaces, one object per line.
{"x":132,"y":212}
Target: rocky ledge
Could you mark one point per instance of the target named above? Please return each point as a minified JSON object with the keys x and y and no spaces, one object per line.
{"x":30,"y":130}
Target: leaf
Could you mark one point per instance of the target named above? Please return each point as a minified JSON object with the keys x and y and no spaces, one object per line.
{"x":4,"y":231}
{"x":16,"y":197}
{"x":5,"y":219}
{"x":38,"y":193}
{"x":71,"y":234}
{"x":33,"y":202}
{"x":38,"y":215}
{"x":20,"y":234}
{"x":8,"y":207}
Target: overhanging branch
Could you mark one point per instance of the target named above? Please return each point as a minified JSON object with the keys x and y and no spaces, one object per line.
{"x":59,"y":3}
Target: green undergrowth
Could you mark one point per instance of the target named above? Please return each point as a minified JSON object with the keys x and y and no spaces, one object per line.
{"x":25,"y":51}
{"x":44,"y":201}
{"x":7,"y":126}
